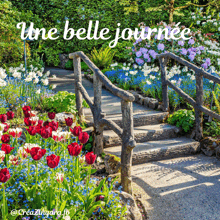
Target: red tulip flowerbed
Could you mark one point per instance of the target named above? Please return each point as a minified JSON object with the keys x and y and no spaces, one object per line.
{"x":49,"y":175}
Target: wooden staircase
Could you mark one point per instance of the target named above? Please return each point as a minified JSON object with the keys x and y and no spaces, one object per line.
{"x":155,"y":140}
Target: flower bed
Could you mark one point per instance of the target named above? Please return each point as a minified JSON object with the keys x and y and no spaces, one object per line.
{"x":50,"y":171}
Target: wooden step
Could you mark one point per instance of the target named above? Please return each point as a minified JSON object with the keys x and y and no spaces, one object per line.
{"x":143,"y":134}
{"x":157,"y":150}
{"x":140,"y":118}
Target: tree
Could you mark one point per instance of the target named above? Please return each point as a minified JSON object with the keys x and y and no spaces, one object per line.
{"x":11,"y":46}
{"x":171,"y":6}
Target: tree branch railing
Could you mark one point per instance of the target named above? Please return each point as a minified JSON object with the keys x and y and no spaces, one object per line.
{"x":198,"y":104}
{"x":126,"y":133}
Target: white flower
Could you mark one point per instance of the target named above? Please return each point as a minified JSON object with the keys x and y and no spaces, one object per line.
{"x":39,"y":73}
{"x":38,"y":91}
{"x":13,"y":159}
{"x":2,"y":155}
{"x":193,"y":17}
{"x":81,"y":159}
{"x":2,"y":83}
{"x":22,"y":152}
{"x":45,"y":81}
{"x":2,"y":126}
{"x":59,"y":177}
{"x":36,"y":80}
{"x":28,"y":79}
{"x":152,"y":77}
{"x":66,"y":218}
{"x":193,"y":77}
{"x":54,"y":86}
{"x":47,"y":73}
{"x":173,"y":81}
{"x":2,"y":73}
{"x":198,"y":22}
{"x":148,"y":82}
{"x":35,"y":69}
{"x":16,"y":74}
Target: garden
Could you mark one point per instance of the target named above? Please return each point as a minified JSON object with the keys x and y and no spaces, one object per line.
{"x":47,"y":166}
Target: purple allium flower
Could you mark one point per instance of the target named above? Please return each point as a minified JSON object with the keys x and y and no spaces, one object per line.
{"x":201,"y":48}
{"x":208,"y":61}
{"x":139,"y":61}
{"x":143,"y":50}
{"x":191,"y":57}
{"x":160,"y":47}
{"x":199,"y":52}
{"x":183,"y":51}
{"x":181,"y":43}
{"x":138,"y":54}
{"x":146,"y":56}
{"x":149,"y":60}
{"x":191,"y":41}
{"x":204,"y":65}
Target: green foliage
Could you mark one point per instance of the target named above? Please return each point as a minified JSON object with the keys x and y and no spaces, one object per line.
{"x":63,"y":101}
{"x":69,"y":65}
{"x":212,"y":128}
{"x":102,"y":58}
{"x":88,"y":146}
{"x":11,"y":46}
{"x":3,"y":111}
{"x":172,"y":10}
{"x":84,"y":66}
{"x":182,"y":118}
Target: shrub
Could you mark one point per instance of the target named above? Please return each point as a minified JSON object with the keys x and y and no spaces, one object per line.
{"x":102,"y":58}
{"x":63,"y":101}
{"x":69,"y":65}
{"x":182,"y":118}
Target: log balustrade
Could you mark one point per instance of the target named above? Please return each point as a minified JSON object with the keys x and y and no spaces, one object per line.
{"x":126,"y":133}
{"x":198,"y":104}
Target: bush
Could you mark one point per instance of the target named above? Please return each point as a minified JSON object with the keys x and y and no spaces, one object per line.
{"x":69,"y":65}
{"x":182,"y":118}
{"x":102,"y":58}
{"x":63,"y":101}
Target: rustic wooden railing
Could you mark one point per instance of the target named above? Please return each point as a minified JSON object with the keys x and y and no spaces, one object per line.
{"x":198,"y":104}
{"x":126,"y":133}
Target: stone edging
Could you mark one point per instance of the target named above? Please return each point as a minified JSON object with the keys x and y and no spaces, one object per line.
{"x":140,"y":99}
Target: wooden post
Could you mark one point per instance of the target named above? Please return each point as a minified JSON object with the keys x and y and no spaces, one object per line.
{"x":128,"y":144}
{"x":78,"y":78}
{"x":97,"y":115}
{"x":199,"y":102}
{"x":163,"y":63}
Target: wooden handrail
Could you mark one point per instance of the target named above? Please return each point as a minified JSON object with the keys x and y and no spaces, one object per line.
{"x":114,"y":89}
{"x":126,"y":133}
{"x":198,"y":104}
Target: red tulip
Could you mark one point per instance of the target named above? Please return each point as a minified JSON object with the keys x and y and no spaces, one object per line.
{"x":5,"y":138}
{"x":16,"y":133}
{"x":32,"y":130}
{"x":46,"y":132}
{"x":37,"y":153}
{"x":4,"y":175}
{"x":69,"y":121}
{"x":51,"y":115}
{"x":53,"y":160}
{"x":83,"y":137}
{"x":46,"y":124}
{"x":7,"y":148}
{"x":10,"y":115}
{"x":76,"y":130}
{"x":54,"y":125}
{"x":26,"y":109}
{"x":90,"y":158}
{"x":27,"y":121}
{"x":3,"y":118}
{"x":40,"y":122}
{"x":74,"y":149}
{"x":7,"y":126}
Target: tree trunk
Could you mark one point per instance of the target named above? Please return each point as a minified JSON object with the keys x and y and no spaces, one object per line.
{"x":171,"y":11}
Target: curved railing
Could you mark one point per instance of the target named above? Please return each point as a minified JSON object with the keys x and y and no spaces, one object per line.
{"x":198,"y":103}
{"x":126,"y":133}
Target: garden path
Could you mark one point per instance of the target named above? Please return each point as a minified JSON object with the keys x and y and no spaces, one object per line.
{"x":172,"y":189}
